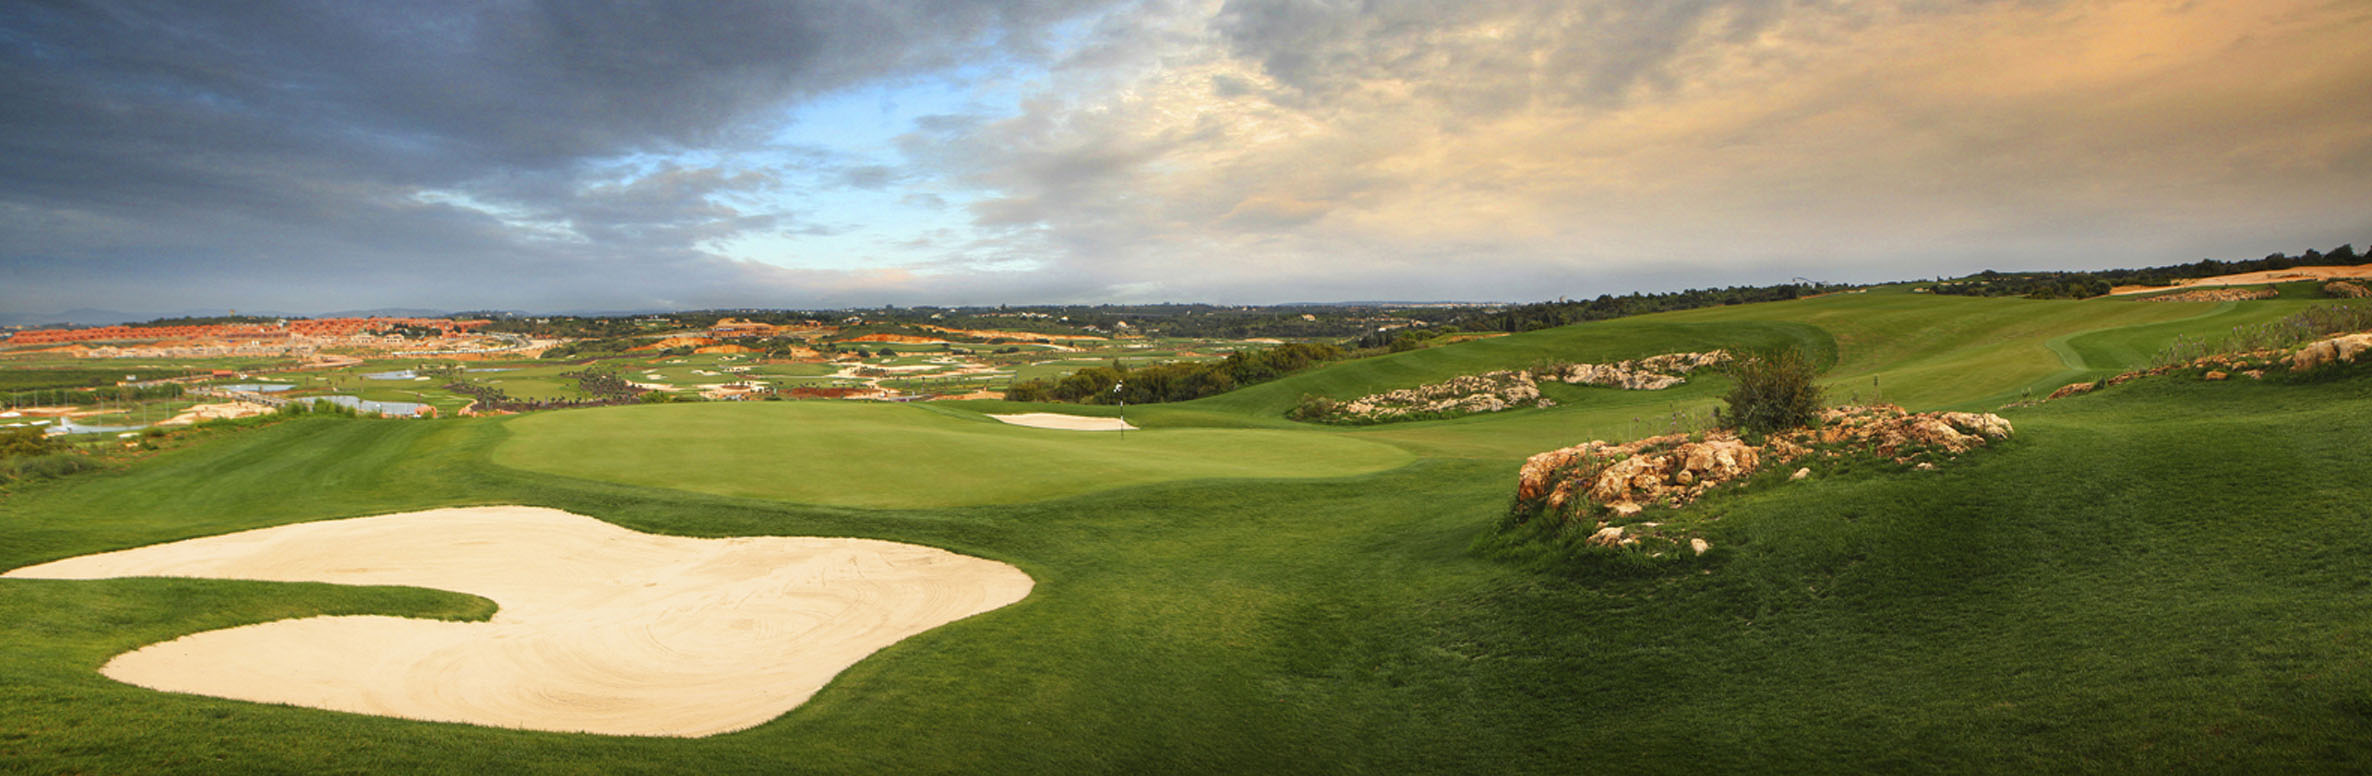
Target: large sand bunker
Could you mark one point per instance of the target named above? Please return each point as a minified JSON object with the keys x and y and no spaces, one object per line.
{"x":2336,"y":272}
{"x":1056,"y":420}
{"x":601,"y":629}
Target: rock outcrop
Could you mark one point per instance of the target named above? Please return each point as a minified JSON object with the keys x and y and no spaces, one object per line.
{"x":1461,"y":395}
{"x":2340,"y":349}
{"x":1653,"y":373}
{"x":1507,"y":389}
{"x":2347,"y":289}
{"x":2215,"y":295}
{"x":1600,"y":484}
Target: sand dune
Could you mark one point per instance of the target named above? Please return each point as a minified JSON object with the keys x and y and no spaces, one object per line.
{"x":601,"y":629}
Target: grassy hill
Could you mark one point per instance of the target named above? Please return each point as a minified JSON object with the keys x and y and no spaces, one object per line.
{"x":2162,"y":576}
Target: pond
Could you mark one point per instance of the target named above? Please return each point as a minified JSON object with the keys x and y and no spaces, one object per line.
{"x":400,"y":409}
{"x":68,"y":426}
{"x":258,"y":387}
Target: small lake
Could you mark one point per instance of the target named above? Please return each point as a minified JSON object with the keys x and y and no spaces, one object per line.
{"x":256,"y":387}
{"x":400,"y":374}
{"x":401,"y":409}
{"x":68,"y":426}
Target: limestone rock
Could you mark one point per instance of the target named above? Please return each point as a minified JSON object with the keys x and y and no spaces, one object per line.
{"x":2339,"y":349}
{"x":1800,"y":473}
{"x":2072,"y":389}
{"x":2216,"y":295}
{"x":1653,"y":373}
{"x":2215,"y":374}
{"x":1699,"y":545}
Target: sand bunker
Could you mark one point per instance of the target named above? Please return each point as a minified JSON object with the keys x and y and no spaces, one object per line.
{"x":1056,"y":420}
{"x":223,"y":411}
{"x":601,"y":629}
{"x":2337,"y":272}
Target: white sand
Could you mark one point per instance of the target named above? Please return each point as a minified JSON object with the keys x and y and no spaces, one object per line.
{"x":1056,"y":420}
{"x":236,"y":409}
{"x":601,"y":629}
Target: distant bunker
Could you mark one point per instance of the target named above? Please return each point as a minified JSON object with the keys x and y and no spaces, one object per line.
{"x":600,"y":629}
{"x":1059,"y":421}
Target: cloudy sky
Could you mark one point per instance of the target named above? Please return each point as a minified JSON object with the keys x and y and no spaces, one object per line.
{"x":574,"y":155}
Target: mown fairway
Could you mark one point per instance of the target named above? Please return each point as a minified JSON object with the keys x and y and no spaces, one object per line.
{"x":2161,"y":577}
{"x":871,"y":454}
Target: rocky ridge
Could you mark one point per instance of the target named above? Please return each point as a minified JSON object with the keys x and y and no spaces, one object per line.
{"x":1606,"y":483}
{"x":1653,"y":373}
{"x":1505,"y":389}
{"x":2334,"y":349}
{"x":2215,"y":295}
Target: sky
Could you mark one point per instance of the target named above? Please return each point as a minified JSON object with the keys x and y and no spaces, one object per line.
{"x":575,"y":155}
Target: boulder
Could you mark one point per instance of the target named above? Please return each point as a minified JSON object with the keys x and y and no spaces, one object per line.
{"x":2339,"y":349}
{"x":1800,"y":473}
{"x":1985,"y":424}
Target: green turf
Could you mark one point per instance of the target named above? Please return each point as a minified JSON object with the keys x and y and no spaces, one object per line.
{"x":885,"y":455}
{"x":2160,"y":577}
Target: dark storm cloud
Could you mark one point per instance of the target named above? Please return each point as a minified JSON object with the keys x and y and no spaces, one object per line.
{"x":578,"y":155}
{"x":236,"y":137}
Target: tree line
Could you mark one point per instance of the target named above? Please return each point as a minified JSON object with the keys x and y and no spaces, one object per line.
{"x":1176,"y":380}
{"x":2087,"y":284}
{"x":1549,"y":315}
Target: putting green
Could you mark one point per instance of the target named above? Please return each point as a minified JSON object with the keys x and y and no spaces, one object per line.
{"x":884,"y":455}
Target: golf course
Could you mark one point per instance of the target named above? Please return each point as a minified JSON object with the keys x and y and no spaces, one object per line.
{"x":2163,"y":575}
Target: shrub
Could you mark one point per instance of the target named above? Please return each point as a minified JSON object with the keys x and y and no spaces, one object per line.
{"x":35,"y":467}
{"x":26,"y":441}
{"x":1313,"y":407}
{"x":1775,"y":392}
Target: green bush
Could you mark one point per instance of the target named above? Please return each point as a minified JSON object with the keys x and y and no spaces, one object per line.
{"x":1775,"y":392}
{"x":35,"y":467}
{"x":26,"y":441}
{"x":1313,"y":407}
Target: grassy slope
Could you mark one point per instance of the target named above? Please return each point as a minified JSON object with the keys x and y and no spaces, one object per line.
{"x":1996,"y":616}
{"x":2158,"y":577}
{"x":1921,"y":351}
{"x":886,"y":455}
